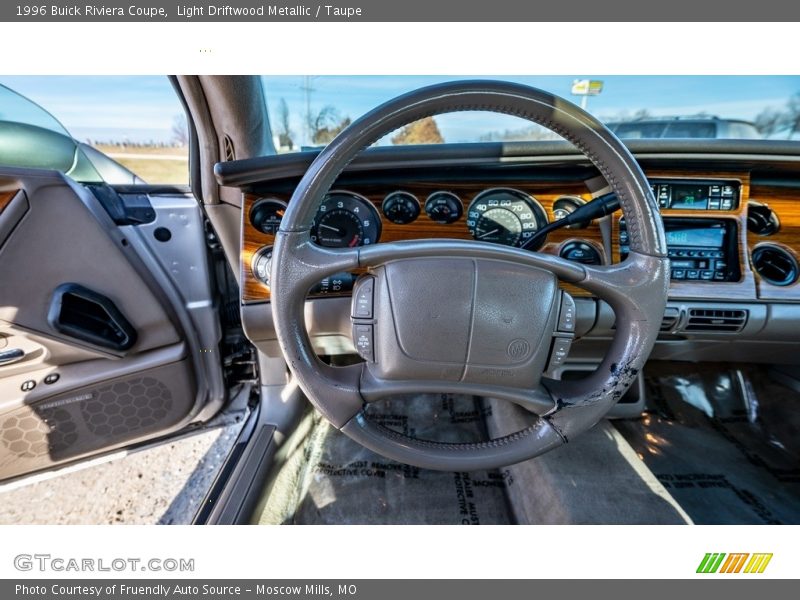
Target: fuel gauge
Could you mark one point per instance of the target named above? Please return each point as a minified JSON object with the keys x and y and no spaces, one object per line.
{"x":444,"y":207}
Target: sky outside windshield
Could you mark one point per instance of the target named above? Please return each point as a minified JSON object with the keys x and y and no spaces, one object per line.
{"x":144,"y":109}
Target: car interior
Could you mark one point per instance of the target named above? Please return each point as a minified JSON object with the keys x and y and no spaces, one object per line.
{"x":583,"y":330}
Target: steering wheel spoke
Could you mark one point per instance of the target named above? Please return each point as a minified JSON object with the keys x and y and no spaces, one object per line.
{"x":627,"y":284}
{"x":442,"y":248}
{"x":373,"y":389}
{"x":309,"y":263}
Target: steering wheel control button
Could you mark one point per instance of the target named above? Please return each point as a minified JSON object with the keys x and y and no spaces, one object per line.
{"x":364,"y":340}
{"x":51,"y":378}
{"x":27,"y":386}
{"x":560,"y":351}
{"x":362,"y":298}
{"x":567,"y":316}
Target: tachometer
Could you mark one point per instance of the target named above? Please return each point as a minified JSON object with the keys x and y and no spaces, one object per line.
{"x":344,"y":220}
{"x":504,"y":216}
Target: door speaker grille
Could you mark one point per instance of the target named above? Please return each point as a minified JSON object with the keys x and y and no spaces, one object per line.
{"x":126,"y":406}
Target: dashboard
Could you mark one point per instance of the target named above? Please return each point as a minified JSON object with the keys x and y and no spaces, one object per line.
{"x":732,"y":227}
{"x":719,"y":231}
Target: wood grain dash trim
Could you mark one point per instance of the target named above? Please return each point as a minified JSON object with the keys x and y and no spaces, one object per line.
{"x":785,"y":202}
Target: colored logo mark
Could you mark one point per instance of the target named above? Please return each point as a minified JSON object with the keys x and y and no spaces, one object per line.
{"x":741,"y":562}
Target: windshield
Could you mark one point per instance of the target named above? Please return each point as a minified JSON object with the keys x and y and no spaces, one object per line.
{"x":308,"y":111}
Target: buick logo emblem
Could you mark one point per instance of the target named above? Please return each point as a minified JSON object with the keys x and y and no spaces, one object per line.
{"x":518,"y":349}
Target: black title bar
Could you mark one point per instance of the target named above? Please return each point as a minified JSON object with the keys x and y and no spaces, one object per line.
{"x":408,"y":11}
{"x":371,"y":589}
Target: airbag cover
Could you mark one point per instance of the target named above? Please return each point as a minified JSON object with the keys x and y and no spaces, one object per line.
{"x":463,"y":319}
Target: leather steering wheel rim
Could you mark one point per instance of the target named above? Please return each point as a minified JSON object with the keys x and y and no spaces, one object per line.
{"x":636,"y":288}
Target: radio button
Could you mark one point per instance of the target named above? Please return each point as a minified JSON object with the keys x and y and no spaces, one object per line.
{"x":706,"y":275}
{"x":362,"y":298}
{"x":719,"y":276}
{"x":682,"y":264}
{"x":692,"y":274}
{"x":678,"y":274}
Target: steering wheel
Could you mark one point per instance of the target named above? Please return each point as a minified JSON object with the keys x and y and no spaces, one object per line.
{"x":466,"y":316}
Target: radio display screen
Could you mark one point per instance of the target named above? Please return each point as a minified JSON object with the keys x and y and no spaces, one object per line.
{"x":707,"y":237}
{"x":689,"y":196}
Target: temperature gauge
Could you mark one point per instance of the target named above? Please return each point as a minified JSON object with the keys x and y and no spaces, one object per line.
{"x":400,"y":207}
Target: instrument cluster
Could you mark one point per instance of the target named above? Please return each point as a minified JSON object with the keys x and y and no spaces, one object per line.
{"x":499,"y":215}
{"x":346,"y":219}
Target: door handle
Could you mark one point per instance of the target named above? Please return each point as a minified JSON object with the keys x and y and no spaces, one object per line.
{"x":11,"y":355}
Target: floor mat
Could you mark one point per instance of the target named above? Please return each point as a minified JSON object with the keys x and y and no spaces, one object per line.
{"x":328,"y":478}
{"x":596,"y":479}
{"x":718,"y":437}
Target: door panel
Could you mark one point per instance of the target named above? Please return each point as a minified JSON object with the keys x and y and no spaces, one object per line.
{"x":60,"y":240}
{"x":66,"y":397}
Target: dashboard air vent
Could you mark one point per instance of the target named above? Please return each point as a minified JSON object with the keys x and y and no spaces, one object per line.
{"x":716,"y":320}
{"x":761,"y":219}
{"x":230,"y":153}
{"x":671,"y":316}
{"x":775,"y":264}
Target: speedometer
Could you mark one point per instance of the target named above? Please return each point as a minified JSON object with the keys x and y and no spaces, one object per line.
{"x":504,"y":216}
{"x":345,"y":219}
